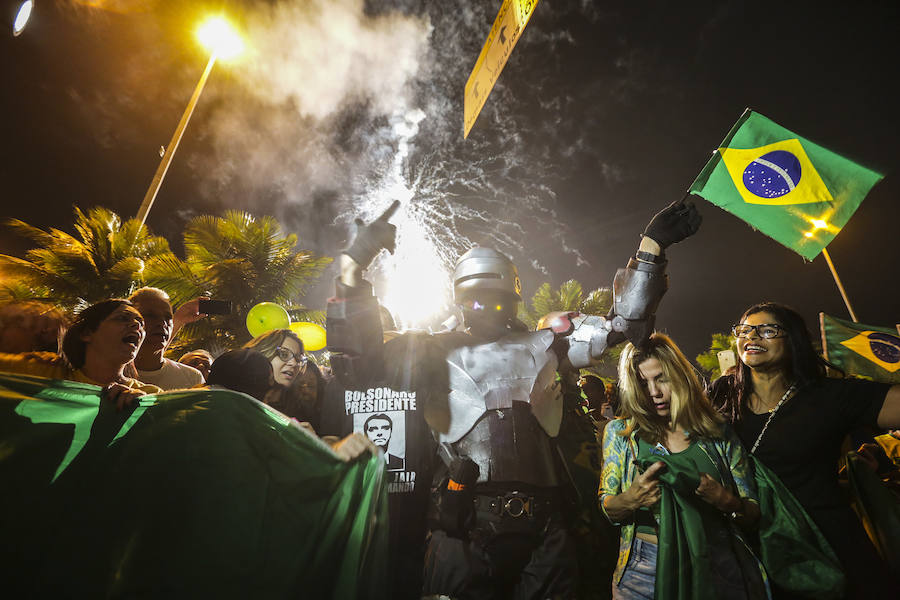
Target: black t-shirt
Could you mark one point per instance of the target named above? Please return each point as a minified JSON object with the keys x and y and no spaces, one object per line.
{"x":391,"y":412}
{"x":803,"y":441}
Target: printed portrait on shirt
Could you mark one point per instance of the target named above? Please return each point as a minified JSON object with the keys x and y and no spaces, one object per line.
{"x":387,"y":430}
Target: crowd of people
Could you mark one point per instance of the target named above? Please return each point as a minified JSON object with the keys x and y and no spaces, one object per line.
{"x":513,"y":471}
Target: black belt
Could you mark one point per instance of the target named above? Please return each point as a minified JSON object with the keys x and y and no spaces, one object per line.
{"x":514,"y":504}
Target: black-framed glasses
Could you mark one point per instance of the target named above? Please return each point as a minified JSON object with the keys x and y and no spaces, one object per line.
{"x":286,"y":354}
{"x":763,"y":330}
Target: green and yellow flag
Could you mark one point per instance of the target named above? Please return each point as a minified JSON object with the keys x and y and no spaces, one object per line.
{"x":861,"y":350}
{"x":195,"y":493}
{"x":791,"y":189}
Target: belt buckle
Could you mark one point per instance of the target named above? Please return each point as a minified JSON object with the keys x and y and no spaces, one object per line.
{"x":516,"y":505}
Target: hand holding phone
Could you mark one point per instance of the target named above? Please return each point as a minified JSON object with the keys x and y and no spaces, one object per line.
{"x":213,"y":307}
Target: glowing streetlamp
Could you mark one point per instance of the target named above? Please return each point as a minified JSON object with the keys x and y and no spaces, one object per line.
{"x":22,"y":16}
{"x":219,"y":38}
{"x":222,"y":42}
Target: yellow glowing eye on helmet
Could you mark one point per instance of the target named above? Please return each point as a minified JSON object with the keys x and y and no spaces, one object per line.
{"x":499,"y":307}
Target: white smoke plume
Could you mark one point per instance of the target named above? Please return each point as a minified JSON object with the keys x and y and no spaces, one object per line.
{"x":308,"y":111}
{"x":343,"y":106}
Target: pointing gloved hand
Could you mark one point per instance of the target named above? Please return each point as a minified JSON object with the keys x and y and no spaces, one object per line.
{"x":371,"y":238}
{"x":674,"y":223}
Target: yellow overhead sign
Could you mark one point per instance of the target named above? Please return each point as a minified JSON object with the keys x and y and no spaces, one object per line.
{"x":507,"y":28}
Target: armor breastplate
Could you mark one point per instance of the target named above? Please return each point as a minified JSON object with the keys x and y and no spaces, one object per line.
{"x":516,"y":368}
{"x":510,"y":445}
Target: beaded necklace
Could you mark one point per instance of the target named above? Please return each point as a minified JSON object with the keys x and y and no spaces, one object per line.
{"x":787,"y":395}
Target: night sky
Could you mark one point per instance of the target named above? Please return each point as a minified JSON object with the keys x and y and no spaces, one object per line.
{"x":605,"y":113}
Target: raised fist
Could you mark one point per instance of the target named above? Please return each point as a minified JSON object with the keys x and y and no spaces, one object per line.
{"x":673,"y":223}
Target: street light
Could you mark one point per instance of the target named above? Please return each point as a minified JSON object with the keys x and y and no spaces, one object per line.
{"x":222,"y":42}
{"x":22,"y":17}
{"x":218,"y":37}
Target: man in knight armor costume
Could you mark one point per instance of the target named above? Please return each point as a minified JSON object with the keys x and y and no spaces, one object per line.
{"x":493,"y":395}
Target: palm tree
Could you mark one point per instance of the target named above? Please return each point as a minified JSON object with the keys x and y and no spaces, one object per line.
{"x":13,"y":289}
{"x":570,"y":297}
{"x":105,"y":260}
{"x":240,"y":258}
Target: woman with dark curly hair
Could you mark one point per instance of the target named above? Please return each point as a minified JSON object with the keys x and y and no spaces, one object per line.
{"x":299,"y":386}
{"x":794,"y":420}
{"x":97,"y":348}
{"x":287,"y":391}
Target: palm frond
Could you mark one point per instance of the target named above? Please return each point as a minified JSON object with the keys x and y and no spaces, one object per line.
{"x":598,"y":302}
{"x":570,"y":296}
{"x":106,"y":259}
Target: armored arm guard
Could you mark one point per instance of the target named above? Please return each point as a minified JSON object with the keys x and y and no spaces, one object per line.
{"x":582,"y":338}
{"x":637,"y":290}
{"x":354,"y":331}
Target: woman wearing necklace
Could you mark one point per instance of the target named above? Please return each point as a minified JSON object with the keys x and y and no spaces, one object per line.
{"x":677,"y":480}
{"x":794,"y":420}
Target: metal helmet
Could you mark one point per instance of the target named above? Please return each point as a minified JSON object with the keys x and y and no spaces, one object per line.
{"x":482,"y":269}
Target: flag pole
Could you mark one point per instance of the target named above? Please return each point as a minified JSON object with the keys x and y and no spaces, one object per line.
{"x":840,"y":286}
{"x":160,"y":174}
{"x":828,"y":369}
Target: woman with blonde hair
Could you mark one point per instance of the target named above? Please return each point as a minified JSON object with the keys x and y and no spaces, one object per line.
{"x":677,"y":480}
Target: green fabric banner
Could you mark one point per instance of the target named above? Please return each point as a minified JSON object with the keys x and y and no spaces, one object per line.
{"x":795,"y":553}
{"x":202,"y":493}
{"x":861,"y":350}
{"x":791,"y":189}
{"x":700,"y":556}
{"x":695,"y":541}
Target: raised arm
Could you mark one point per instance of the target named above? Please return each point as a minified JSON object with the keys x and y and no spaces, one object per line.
{"x":368,"y":243}
{"x":353,"y":320}
{"x":639,"y":287}
{"x":637,"y":290}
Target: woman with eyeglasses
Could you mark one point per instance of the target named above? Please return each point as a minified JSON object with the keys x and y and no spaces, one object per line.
{"x":291,"y":393}
{"x":794,"y":420}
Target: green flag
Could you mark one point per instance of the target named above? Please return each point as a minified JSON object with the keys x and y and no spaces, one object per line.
{"x":861,"y":350}
{"x":201,"y":493}
{"x":791,"y":189}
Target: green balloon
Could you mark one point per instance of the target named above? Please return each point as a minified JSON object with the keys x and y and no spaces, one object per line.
{"x":267,"y":316}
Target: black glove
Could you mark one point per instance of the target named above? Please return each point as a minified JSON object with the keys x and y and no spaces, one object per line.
{"x":371,"y":238}
{"x":673,"y":223}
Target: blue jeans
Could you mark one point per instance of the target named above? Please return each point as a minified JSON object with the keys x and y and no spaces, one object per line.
{"x":639,"y":579}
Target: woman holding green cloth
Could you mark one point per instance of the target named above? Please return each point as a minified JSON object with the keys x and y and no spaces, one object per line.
{"x":793,"y":419}
{"x":678,"y":481}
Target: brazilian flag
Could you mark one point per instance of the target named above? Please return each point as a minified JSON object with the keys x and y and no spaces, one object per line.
{"x":861,"y":350}
{"x":791,"y":189}
{"x":188,"y":494}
